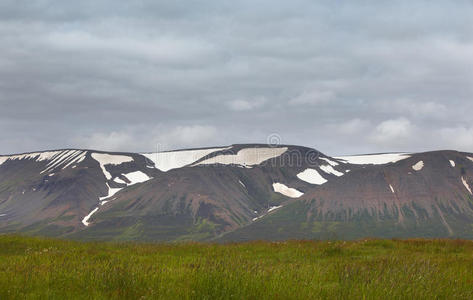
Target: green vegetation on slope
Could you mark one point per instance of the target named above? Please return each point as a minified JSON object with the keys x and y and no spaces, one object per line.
{"x":32,"y":268}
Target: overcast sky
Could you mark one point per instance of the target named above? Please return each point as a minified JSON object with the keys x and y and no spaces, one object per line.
{"x":340,"y":76}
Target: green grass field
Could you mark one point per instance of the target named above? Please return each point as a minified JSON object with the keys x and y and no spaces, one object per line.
{"x":33,"y":268}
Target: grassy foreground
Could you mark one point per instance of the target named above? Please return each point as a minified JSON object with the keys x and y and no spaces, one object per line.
{"x":32,"y":268}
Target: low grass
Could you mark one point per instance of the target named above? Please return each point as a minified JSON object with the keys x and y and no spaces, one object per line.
{"x":34,"y":268}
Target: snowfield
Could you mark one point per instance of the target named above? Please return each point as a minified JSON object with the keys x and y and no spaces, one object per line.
{"x":311,"y":176}
{"x":286,"y":191}
{"x":246,"y":157}
{"x":166,"y":161}
{"x":374,"y":159}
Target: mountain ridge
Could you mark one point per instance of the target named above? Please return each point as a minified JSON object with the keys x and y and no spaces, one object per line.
{"x":237,"y":192}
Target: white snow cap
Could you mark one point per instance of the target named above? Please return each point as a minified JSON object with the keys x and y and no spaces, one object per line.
{"x":108,"y":159}
{"x":286,"y":191}
{"x":165,"y":161}
{"x":374,"y":159}
{"x":311,"y":176}
{"x":418,"y":166}
{"x":57,"y":158}
{"x":246,"y":157}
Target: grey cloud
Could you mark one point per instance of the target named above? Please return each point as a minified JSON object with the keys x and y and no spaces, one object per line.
{"x":102,"y":73}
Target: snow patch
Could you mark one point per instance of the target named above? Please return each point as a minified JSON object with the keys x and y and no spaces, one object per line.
{"x":118,"y":180}
{"x":331,"y":170}
{"x":166,"y":161}
{"x":242,"y":184}
{"x":136,"y":177}
{"x":3,"y":215}
{"x":56,"y":158}
{"x":86,"y":219}
{"x":467,"y":186}
{"x":107,"y":159}
{"x":311,"y":176}
{"x":246,"y":157}
{"x":374,"y":159}
{"x":470,"y":158}
{"x":111,"y":192}
{"x":418,"y":166}
{"x":274,"y":208}
{"x":3,"y":159}
{"x":452,"y":163}
{"x":330,"y":162}
{"x":392,"y":189}
{"x":286,"y":191}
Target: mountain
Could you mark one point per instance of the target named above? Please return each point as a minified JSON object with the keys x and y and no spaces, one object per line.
{"x":236,"y":193}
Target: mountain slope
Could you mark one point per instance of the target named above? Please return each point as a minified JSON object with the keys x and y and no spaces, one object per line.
{"x":422,"y":195}
{"x":239,"y":192}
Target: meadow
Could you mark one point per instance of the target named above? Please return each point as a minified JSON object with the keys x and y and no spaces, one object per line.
{"x":36,"y":268}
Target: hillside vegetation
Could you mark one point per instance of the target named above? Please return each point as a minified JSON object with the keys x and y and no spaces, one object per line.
{"x":34,"y":268}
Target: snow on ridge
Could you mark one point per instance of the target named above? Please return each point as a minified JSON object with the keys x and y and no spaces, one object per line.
{"x":56,"y":158}
{"x":37,"y":156}
{"x":331,"y":170}
{"x":467,"y":186}
{"x":330,"y":162}
{"x":246,"y":157}
{"x":452,"y":163}
{"x":286,"y":191}
{"x":65,"y":159}
{"x":165,"y":161}
{"x":418,"y":166}
{"x":311,"y":176}
{"x":110,"y":159}
{"x":374,"y":159}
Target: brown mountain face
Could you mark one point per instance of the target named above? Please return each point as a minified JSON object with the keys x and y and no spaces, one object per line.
{"x":241,"y":192}
{"x":425,"y":195}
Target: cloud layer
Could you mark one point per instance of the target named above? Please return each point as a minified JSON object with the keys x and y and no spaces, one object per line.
{"x":340,"y":77}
